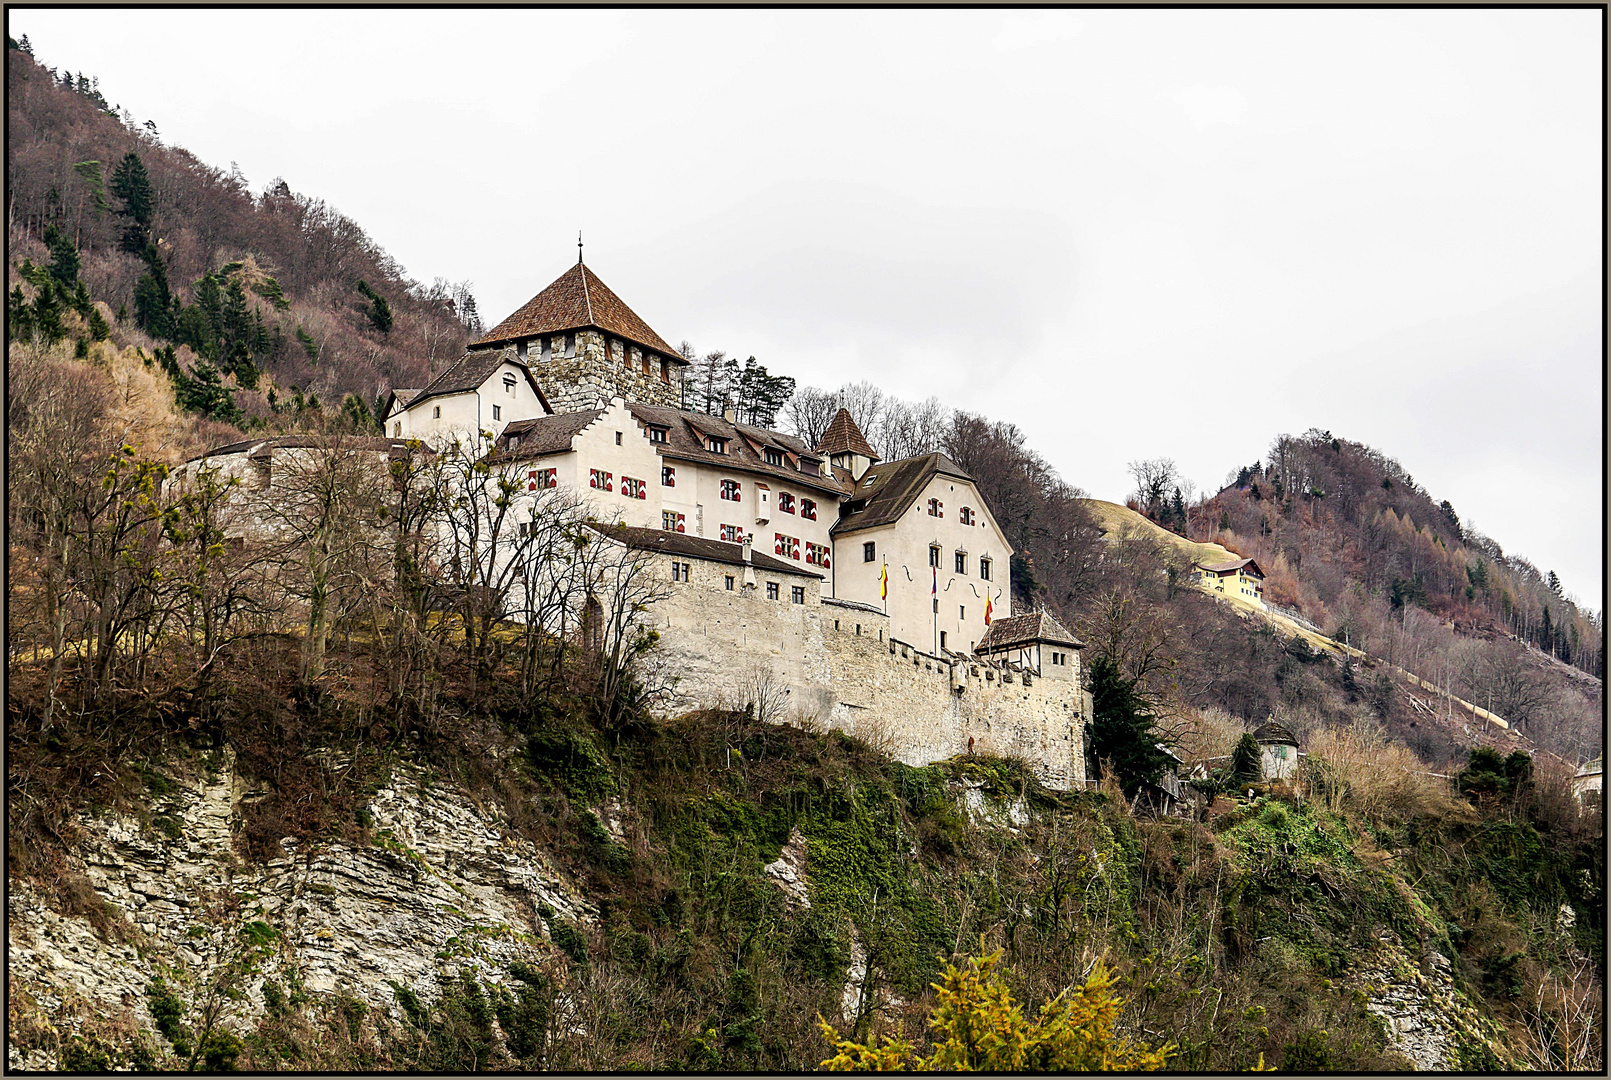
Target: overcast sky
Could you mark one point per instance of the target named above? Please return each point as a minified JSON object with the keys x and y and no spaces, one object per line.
{"x":1132,"y":233}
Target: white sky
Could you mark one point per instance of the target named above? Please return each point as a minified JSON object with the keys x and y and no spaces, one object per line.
{"x":1133,"y":233}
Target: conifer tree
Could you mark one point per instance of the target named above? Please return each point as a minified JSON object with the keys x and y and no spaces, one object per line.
{"x":132,"y":186}
{"x":1245,"y":760}
{"x":1124,"y":731}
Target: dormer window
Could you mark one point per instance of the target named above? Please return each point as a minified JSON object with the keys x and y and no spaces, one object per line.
{"x":809,"y":467}
{"x":715,"y":444}
{"x":657,"y":434}
{"x":772,"y":455}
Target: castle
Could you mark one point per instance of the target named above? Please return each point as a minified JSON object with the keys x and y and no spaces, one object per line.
{"x":874,"y":595}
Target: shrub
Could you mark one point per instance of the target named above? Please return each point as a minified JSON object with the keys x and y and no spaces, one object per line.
{"x":978,"y":1027}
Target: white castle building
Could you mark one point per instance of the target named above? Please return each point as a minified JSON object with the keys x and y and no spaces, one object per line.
{"x":869,"y":588}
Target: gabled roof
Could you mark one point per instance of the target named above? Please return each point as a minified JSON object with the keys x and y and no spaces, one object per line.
{"x":471,"y":370}
{"x":699,"y":547}
{"x":540,"y":435}
{"x":1273,"y":732}
{"x":843,"y":436}
{"x":1227,"y":567}
{"x":1018,"y":631}
{"x":685,"y":441}
{"x":400,"y":398}
{"x":888,"y":490}
{"x":576,"y":300}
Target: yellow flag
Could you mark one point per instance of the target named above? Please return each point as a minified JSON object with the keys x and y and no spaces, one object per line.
{"x":883,"y":582}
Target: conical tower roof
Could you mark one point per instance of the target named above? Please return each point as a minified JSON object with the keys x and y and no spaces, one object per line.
{"x":577,"y":300}
{"x":843,"y":436}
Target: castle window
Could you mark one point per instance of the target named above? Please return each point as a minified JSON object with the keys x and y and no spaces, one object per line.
{"x":509,"y":384}
{"x":570,"y":345}
{"x":771,"y":590}
{"x":514,"y":442}
{"x":715,"y":445}
{"x":962,"y":562}
{"x":679,"y":571}
{"x":936,"y":508}
{"x":772,"y":456}
{"x":967,"y":516}
{"x":934,"y":555}
{"x":397,"y":428}
{"x":731,"y":491}
{"x":668,"y":476}
{"x":671,"y":521}
{"x":541,"y":479}
{"x":646,"y":369}
{"x":618,"y":438}
{"x":808,"y":509}
{"x":732,"y":534}
{"x":810,"y":468}
{"x":665,"y":370}
{"x":436,"y":412}
{"x":797,"y":594}
{"x":657,"y":434}
{"x":547,"y":353}
{"x":497,"y":412}
{"x":869,"y":551}
{"x":729,"y":582}
{"x":962,"y":613}
{"x":942,"y":639}
{"x":633,"y":489}
{"x":785,"y":503}
{"x":603,"y":481}
{"x":984,"y":568}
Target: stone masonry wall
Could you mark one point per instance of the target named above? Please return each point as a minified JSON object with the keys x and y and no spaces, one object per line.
{"x":726,"y":648}
{"x":590,"y":379}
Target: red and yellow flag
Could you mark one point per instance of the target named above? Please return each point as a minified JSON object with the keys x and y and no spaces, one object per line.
{"x":987,"y":609}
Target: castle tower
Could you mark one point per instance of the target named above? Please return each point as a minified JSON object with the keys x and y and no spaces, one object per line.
{"x":585,"y":346}
{"x":846,"y":447}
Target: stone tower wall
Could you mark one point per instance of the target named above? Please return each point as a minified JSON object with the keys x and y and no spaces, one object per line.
{"x":591,"y":378}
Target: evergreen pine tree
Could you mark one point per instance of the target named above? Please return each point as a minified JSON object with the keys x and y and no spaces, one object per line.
{"x":1124,"y":730}
{"x":63,"y":258}
{"x":1245,"y":764}
{"x":132,"y":186}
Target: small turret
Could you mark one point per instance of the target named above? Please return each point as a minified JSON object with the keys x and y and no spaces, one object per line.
{"x":846,"y":447}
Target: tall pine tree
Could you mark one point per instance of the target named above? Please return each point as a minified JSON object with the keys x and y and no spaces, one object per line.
{"x":1124,"y":731}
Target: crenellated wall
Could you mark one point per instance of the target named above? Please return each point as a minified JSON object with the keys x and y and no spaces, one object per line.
{"x":834,"y":663}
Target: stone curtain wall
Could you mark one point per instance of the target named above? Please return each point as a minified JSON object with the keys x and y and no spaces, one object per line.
{"x":590,"y":379}
{"x":723,"y":647}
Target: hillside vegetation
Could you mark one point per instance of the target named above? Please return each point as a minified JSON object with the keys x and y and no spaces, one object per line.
{"x":1282,"y":920}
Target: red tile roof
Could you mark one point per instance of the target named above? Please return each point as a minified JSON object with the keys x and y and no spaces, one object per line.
{"x":843,"y":436}
{"x":577,"y":300}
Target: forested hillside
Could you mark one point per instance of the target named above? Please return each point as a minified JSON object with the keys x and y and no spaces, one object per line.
{"x":273,"y":296}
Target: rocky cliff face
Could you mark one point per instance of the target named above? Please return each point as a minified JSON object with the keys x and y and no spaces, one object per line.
{"x":446,"y":890}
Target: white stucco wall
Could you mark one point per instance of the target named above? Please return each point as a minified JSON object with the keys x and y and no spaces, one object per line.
{"x":465,"y":414}
{"x":905,"y":547}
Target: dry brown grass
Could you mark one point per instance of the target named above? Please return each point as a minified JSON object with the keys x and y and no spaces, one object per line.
{"x":1359,"y":770}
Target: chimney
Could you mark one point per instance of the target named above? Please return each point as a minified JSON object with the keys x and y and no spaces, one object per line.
{"x":729,"y":413}
{"x":748,"y":544}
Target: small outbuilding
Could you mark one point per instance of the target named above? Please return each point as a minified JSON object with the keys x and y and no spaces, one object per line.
{"x":1278,"y":750}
